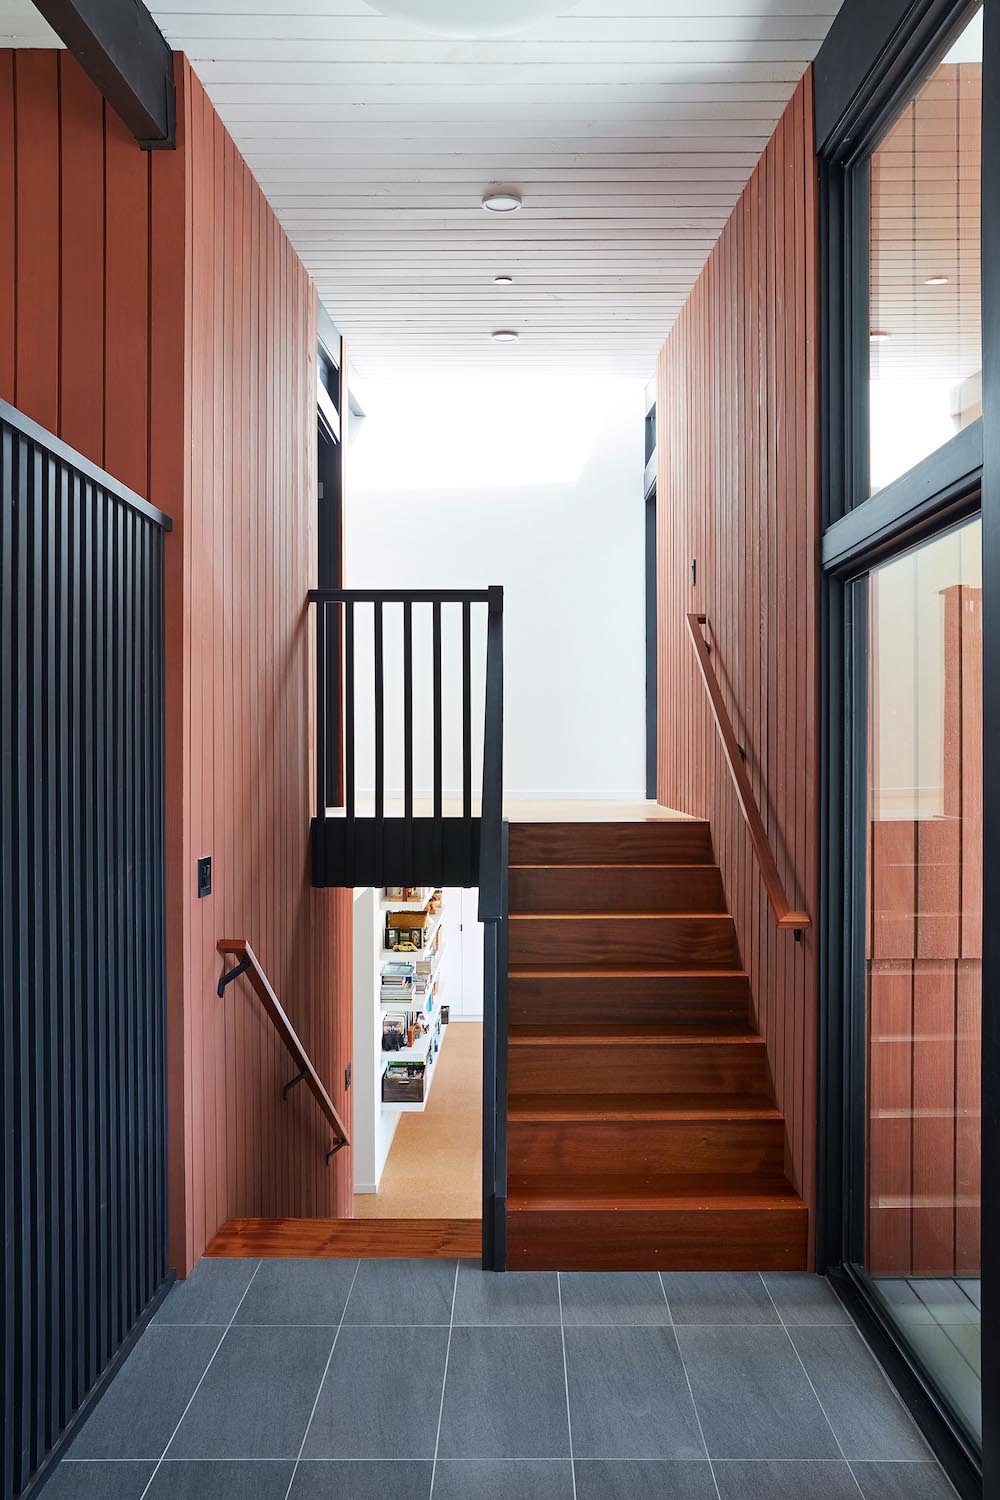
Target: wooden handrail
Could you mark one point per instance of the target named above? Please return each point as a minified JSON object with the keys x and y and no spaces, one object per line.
{"x":250,"y":965}
{"x":795,"y":921}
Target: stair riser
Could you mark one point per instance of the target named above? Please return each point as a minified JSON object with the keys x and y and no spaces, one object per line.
{"x":631,"y":1147}
{"x":710,"y":1067}
{"x":610,"y":843}
{"x":682,"y":1240}
{"x":678,"y":888}
{"x":705,"y":942}
{"x":631,"y":1000}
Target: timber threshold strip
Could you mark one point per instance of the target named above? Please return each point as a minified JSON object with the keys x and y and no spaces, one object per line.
{"x":249,"y":964}
{"x":787,"y":919}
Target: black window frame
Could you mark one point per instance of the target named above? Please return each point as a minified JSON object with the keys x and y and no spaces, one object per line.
{"x":873,"y":61}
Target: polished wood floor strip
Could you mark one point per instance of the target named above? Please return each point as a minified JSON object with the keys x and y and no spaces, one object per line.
{"x":345,"y":1238}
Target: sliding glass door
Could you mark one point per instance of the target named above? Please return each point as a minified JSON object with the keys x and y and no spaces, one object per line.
{"x":918,"y":980}
{"x":911,"y":562}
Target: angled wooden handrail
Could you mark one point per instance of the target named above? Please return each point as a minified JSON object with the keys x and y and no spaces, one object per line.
{"x":794,"y":921}
{"x":249,"y":965}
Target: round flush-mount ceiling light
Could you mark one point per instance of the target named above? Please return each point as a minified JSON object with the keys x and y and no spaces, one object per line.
{"x":936,"y":281}
{"x":503,"y":281}
{"x":471,"y":18}
{"x":501,"y":202}
{"x":505,"y":335}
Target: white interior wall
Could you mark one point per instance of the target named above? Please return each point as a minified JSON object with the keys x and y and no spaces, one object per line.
{"x":373,"y":1125}
{"x":535,"y":484}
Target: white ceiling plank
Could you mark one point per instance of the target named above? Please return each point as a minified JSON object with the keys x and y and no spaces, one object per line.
{"x":629,"y":136}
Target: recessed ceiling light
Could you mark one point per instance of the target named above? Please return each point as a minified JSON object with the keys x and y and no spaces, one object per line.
{"x":504,"y":335}
{"x":503,"y":280}
{"x":879,"y":336}
{"x":471,"y":18}
{"x":501,"y":203}
{"x":936,"y":281}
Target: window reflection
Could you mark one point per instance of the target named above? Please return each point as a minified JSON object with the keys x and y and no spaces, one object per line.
{"x":924,"y":315}
{"x":924,"y":954}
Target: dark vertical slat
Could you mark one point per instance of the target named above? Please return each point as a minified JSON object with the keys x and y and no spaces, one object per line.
{"x":322,"y":710}
{"x":436,"y":707}
{"x":8,"y":912}
{"x":379,"y":662}
{"x":467,"y":732}
{"x":36,"y":1017}
{"x":408,"y":728}
{"x":408,"y":709}
{"x":349,"y":746}
{"x":20,"y":816}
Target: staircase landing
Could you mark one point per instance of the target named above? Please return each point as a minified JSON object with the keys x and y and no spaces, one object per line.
{"x":642,"y":1129}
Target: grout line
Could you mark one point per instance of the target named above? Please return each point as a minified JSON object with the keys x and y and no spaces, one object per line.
{"x":322,"y":1381}
{"x":444,"y":1378}
{"x":198,"y":1387}
{"x":687,"y":1379}
{"x":798,"y":1356}
{"x":569,"y":1417}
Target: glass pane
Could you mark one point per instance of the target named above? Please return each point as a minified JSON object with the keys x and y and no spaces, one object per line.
{"x":924,"y":954}
{"x":925,"y":325}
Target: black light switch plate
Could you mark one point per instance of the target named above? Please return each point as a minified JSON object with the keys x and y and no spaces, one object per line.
{"x":205,"y":876}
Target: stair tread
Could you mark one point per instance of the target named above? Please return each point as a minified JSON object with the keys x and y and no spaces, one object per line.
{"x":598,"y":864}
{"x":544,"y":1108}
{"x":618,"y":916}
{"x":618,"y":971}
{"x":649,"y":1193}
{"x":614,"y":1033}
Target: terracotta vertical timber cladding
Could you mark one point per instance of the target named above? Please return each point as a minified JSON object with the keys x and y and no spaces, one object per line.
{"x":737,"y":491}
{"x":154,"y":315}
{"x":249,"y":560}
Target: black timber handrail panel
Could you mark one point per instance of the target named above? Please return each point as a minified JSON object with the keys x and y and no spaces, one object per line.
{"x":82,"y":965}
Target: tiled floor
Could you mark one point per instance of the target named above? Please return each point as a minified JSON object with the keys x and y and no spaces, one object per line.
{"x":398,"y":1380}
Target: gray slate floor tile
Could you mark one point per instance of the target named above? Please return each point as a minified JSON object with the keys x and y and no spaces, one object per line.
{"x":802,"y":1480}
{"x":504,"y":1479}
{"x":752,"y":1395}
{"x":906,"y":1481}
{"x":98,"y":1481}
{"x":865,"y":1413}
{"x":381,"y":1396}
{"x":484,"y":1298}
{"x":802,"y":1298}
{"x":402,"y":1291}
{"x":256,"y":1398}
{"x":718,"y":1297}
{"x":143,"y":1404}
{"x":644,"y":1479}
{"x":346,"y":1480}
{"x":628,"y":1395}
{"x":612,"y":1297}
{"x":211,"y":1294}
{"x":219,"y":1480}
{"x":505,"y":1395}
{"x":298,"y":1292}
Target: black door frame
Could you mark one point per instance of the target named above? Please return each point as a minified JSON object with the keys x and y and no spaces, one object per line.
{"x":868,"y":67}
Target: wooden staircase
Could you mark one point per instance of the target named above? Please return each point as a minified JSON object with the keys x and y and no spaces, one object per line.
{"x":642,"y":1130}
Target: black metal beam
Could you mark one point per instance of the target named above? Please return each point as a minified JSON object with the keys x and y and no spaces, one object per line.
{"x":121,"y":49}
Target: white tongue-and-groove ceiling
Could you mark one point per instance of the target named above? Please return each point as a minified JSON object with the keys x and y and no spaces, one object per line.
{"x":629,"y":128}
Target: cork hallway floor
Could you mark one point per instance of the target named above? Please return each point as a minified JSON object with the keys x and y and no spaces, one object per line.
{"x":434,"y":1168}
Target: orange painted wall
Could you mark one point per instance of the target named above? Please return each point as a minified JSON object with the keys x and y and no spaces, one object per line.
{"x":737,"y":435}
{"x":154,"y":315}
